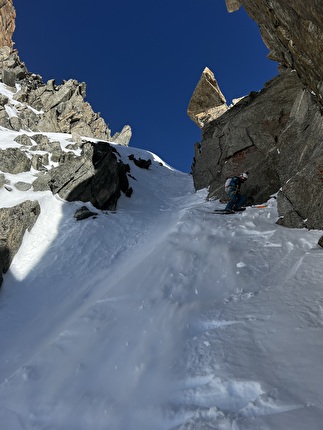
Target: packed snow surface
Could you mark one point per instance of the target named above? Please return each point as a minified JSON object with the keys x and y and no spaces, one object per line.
{"x":160,"y":316}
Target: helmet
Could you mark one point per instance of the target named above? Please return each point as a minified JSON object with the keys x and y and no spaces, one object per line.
{"x":244,"y":175}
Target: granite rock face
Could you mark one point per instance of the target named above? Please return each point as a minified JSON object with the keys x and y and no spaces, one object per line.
{"x":7,"y":22}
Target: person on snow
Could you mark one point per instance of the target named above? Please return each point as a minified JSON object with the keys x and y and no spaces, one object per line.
{"x":232,"y":188}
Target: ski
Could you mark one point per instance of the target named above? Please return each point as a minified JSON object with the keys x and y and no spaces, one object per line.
{"x":227,"y":212}
{"x":259,"y":206}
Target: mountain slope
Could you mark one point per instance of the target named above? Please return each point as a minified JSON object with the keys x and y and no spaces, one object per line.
{"x":161,"y":315}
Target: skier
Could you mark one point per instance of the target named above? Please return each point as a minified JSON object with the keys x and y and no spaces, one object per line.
{"x":232,"y":188}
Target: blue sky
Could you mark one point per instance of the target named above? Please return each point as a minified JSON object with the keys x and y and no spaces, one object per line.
{"x":141,"y":60}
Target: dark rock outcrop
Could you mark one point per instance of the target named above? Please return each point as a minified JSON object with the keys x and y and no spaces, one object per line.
{"x":96,"y":176}
{"x":84,"y":213}
{"x":139,"y":162}
{"x":14,"y":222}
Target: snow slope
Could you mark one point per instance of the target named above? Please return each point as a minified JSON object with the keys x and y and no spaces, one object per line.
{"x":160,"y":316}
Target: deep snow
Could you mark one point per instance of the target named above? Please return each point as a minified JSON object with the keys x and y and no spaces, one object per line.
{"x":160,"y":316}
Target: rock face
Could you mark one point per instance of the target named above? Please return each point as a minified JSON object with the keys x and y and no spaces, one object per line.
{"x":293,"y":31}
{"x":13,"y":224}
{"x":275,"y":134}
{"x":207,"y":102}
{"x":7,"y":22}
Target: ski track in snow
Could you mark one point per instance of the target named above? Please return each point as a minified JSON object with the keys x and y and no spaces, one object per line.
{"x":161,"y":316}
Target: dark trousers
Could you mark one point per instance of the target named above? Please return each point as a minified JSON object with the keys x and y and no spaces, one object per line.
{"x":235,"y":202}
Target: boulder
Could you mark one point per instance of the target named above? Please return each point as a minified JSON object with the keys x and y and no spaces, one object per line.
{"x":9,"y":78}
{"x":23,"y":139}
{"x":84,"y":213}
{"x":15,"y":123}
{"x":14,"y":222}
{"x":12,"y":160}
{"x":43,"y":142}
{"x":39,"y":161}
{"x":22,"y":186}
{"x":207,"y":102}
{"x":3,"y":100}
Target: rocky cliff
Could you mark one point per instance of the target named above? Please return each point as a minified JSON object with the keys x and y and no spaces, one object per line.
{"x":7,"y":22}
{"x":276,"y":134}
{"x":292,"y":30}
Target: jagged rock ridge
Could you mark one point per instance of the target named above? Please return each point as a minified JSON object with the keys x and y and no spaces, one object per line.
{"x":47,"y":107}
{"x":40,"y":106}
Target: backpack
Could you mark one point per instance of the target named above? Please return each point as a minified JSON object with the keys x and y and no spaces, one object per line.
{"x":227,"y":185}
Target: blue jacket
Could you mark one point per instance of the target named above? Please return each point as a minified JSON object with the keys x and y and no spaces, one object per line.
{"x":233,"y":185}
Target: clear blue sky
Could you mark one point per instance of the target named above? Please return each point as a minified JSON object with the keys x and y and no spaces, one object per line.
{"x":141,"y":60}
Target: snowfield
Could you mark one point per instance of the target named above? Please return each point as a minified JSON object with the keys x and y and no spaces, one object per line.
{"x":161,"y":316}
